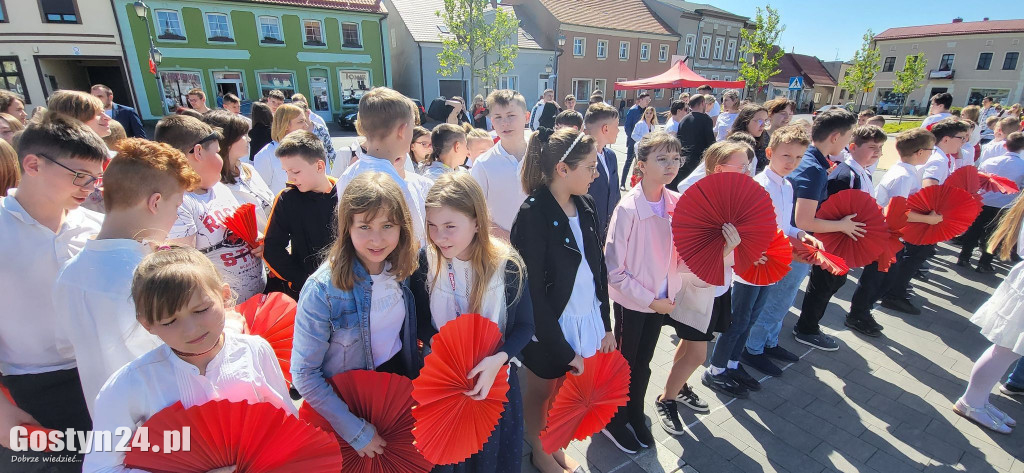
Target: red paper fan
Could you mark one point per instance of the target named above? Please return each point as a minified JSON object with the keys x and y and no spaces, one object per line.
{"x":254,"y":437}
{"x":586,"y":403}
{"x":450,"y":427}
{"x":243,"y":224}
{"x":385,"y":401}
{"x":966,"y":178}
{"x":828,"y":261}
{"x":779,"y":254}
{"x":895,"y":219}
{"x":272,"y":316}
{"x":995,"y":183}
{"x":863,"y":250}
{"x":712,"y":202}
{"x":957,"y":208}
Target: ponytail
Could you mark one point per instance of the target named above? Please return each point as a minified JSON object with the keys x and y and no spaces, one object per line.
{"x":1003,"y":241}
{"x":546,"y":149}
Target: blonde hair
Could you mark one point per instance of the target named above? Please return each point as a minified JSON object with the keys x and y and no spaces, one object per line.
{"x":381,"y":111}
{"x":971,"y":112}
{"x":13,"y":123}
{"x":282,"y":118}
{"x":543,"y":155}
{"x":789,"y":134}
{"x":720,"y":152}
{"x":460,"y":192}
{"x":370,"y":193}
{"x":506,"y":98}
{"x":1003,"y":241}
{"x":9,"y":168}
{"x":75,"y":104}
{"x":144,"y":168}
{"x":479,"y":134}
{"x":117,"y":133}
{"x":164,"y":281}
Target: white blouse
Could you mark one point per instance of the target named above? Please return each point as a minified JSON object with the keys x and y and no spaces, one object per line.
{"x":387,"y":316}
{"x":447,"y":302}
{"x":253,"y":190}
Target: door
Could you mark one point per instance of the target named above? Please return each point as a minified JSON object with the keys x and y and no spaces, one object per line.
{"x":319,"y":94}
{"x":229,"y":82}
{"x":451,"y":88}
{"x":544,"y":83}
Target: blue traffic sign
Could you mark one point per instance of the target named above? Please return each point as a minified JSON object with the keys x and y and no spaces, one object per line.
{"x":796,"y":83}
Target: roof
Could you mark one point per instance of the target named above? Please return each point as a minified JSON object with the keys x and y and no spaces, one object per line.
{"x":809,"y":67}
{"x":420,"y":17}
{"x":953,"y":29}
{"x":622,"y":15}
{"x":702,"y":8}
{"x":368,"y":6}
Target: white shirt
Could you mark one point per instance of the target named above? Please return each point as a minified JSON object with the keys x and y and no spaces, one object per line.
{"x":991,"y":150}
{"x":986,"y":132}
{"x":253,"y":190}
{"x":865,"y":176}
{"x":269,"y":166}
{"x":698,"y":173}
{"x":32,"y":255}
{"x":583,"y":300}
{"x":716,"y":108}
{"x":367,"y":163}
{"x":317,"y":119}
{"x":724,"y":124}
{"x":446,"y":302}
{"x":497,"y":171}
{"x":387,"y":316}
{"x":934,"y":118}
{"x":938,"y":167}
{"x":640,"y":131}
{"x":96,"y":312}
{"x":781,"y":192}
{"x":245,"y":370}
{"x":672,"y":126}
{"x":966,"y":156}
{"x":901,"y":180}
{"x":1010,"y":166}
{"x":418,"y":188}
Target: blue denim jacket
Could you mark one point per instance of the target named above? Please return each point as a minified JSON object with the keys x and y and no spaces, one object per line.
{"x":332,"y":335}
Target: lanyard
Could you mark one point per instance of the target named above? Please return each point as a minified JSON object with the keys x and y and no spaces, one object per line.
{"x":455,"y":296}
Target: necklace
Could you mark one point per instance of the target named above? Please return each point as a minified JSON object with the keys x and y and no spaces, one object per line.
{"x":215,"y":345}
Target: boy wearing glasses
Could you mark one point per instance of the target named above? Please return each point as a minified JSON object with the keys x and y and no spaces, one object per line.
{"x":950,"y":135}
{"x":43,"y":226}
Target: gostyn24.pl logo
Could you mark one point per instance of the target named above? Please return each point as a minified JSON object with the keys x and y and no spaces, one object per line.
{"x":121,"y":440}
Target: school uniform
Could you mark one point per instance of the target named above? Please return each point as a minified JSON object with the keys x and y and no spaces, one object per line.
{"x":696,"y":133}
{"x":605,"y":193}
{"x":305,"y":223}
{"x":932,"y":119}
{"x":994,"y":205}
{"x":990,"y":150}
{"x":497,"y":171}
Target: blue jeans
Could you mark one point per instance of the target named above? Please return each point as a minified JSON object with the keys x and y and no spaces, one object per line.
{"x":1016,"y":378}
{"x":747,"y":302}
{"x":779,"y":298}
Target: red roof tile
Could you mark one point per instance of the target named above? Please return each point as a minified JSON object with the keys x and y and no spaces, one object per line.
{"x":624,"y":15}
{"x":809,"y":67}
{"x":370,"y":6}
{"x":952,"y":29}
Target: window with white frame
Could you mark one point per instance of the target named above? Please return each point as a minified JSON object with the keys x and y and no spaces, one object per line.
{"x":623,"y":50}
{"x":350,"y":37}
{"x":270,"y":30}
{"x":620,"y":94}
{"x":314,"y":33}
{"x":219,"y":29}
{"x":579,"y":47}
{"x":581,"y":87}
{"x":719,"y":45}
{"x":691,"y":45}
{"x":705,"y":47}
{"x":602,"y":48}
{"x":730,"y":54}
{"x":659,"y":93}
{"x":508,"y":82}
{"x":599,"y":84}
{"x":663,"y":53}
{"x":714,"y":77}
{"x":168,"y":25}
{"x":728,"y":78}
{"x":645,"y":51}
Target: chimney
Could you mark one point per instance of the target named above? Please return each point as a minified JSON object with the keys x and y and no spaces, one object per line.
{"x":958,"y":20}
{"x":984,"y":19}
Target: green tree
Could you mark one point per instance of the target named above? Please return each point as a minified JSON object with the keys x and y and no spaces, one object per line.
{"x":760,"y":60}
{"x":909,"y":79}
{"x":482,"y":38}
{"x":860,"y":77}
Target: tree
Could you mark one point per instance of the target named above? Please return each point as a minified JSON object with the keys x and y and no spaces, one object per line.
{"x":860,"y":77}
{"x":483,"y":39}
{"x":760,"y":59}
{"x":909,"y":79}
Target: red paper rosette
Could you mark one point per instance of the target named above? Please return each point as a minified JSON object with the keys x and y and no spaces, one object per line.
{"x":895,"y":219}
{"x":385,"y":401}
{"x":586,"y":403}
{"x":995,"y":183}
{"x":254,"y":437}
{"x":272,"y":316}
{"x":450,"y":427}
{"x":956,"y":206}
{"x":828,"y":261}
{"x":966,"y":178}
{"x":864,"y":250}
{"x":779,"y":254}
{"x":712,"y":202}
{"x":243,"y":224}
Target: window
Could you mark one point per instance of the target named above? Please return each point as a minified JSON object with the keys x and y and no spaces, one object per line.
{"x":581,"y":88}
{"x":727,"y":78}
{"x":313,"y":33}
{"x":217,"y":23}
{"x":659,"y":93}
{"x":691,"y":44}
{"x":714,"y":77}
{"x":663,"y":53}
{"x":890,"y":63}
{"x":730,"y":54}
{"x":168,"y":25}
{"x":350,"y":36}
{"x":58,"y":11}
{"x":620,"y":94}
{"x":11,"y":77}
{"x":645,"y":51}
{"x":946,"y":64}
{"x":1010,"y":61}
{"x":602,"y":48}
{"x":984,"y":61}
{"x":842,"y":94}
{"x":705,"y":47}
{"x":3,"y":12}
{"x":508,"y":82}
{"x":284,"y":81}
{"x":270,"y":31}
{"x":600,"y":84}
{"x":719,"y":44}
{"x":623,"y":50}
{"x":579,"y":47}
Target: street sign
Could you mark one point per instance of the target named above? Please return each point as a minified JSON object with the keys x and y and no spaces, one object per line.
{"x":796,"y":83}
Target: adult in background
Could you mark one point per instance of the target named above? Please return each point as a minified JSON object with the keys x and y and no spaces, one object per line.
{"x":123,"y":114}
{"x":988,"y":109}
{"x":696,"y":133}
{"x":197,"y":100}
{"x":313,"y":117}
{"x":259,"y":134}
{"x":632,"y":117}
{"x":13,"y":104}
{"x":714,"y":109}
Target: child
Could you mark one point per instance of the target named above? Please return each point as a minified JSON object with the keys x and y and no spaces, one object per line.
{"x":938,"y":109}
{"x":569,"y":119}
{"x":335,"y":329}
{"x":497,"y":171}
{"x":144,"y":187}
{"x":1001,"y":128}
{"x":478,"y":141}
{"x":448,"y":150}
{"x":420,"y":148}
{"x":950,"y":135}
{"x":677,"y":112}
{"x":203,"y":210}
{"x":602,"y":124}
{"x":466,"y":270}
{"x":569,"y":286}
{"x":303,"y":213}
{"x":648,"y":123}
{"x":9,"y":172}
{"x":287,"y":118}
{"x":730,"y":110}
{"x":245,"y":183}
{"x":546,"y":97}
{"x":180,"y":298}
{"x":994,"y":204}
{"x":43,"y":226}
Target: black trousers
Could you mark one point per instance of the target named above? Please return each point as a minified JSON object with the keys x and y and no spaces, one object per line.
{"x":637,"y":341}
{"x":54,"y":399}
{"x":821,"y":286}
{"x":630,"y":154}
{"x":872,"y":285}
{"x":908,"y":261}
{"x":979,"y":233}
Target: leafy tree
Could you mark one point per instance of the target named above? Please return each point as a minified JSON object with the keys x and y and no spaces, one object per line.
{"x":482,"y":38}
{"x":909,"y":79}
{"x":760,"y":60}
{"x":860,"y":78}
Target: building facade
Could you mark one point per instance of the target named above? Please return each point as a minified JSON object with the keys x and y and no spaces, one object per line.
{"x":709,"y":37}
{"x":970,"y":60}
{"x":819,"y":87}
{"x":331,"y":52}
{"x":839,"y":70}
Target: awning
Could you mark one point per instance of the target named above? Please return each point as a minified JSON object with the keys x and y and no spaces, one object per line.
{"x":678,"y":76}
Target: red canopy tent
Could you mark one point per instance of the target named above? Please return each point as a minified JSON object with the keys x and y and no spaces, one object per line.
{"x":678,"y":76}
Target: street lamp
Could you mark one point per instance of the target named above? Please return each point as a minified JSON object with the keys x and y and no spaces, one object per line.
{"x":142,"y":11}
{"x":561,"y":43}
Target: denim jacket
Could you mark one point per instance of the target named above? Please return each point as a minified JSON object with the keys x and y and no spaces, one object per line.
{"x":332,"y":335}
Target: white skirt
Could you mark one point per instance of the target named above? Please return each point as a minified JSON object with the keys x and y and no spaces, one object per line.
{"x":1001,"y":318}
{"x":584,"y":332}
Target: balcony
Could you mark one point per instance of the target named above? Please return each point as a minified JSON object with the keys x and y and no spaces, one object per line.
{"x":946,"y":74}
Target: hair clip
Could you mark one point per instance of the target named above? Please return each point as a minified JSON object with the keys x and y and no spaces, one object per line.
{"x":544,"y":133}
{"x":573,"y":145}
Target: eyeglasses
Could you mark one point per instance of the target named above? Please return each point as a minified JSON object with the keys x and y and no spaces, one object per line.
{"x":591,"y":169}
{"x":425,"y":144}
{"x":737,"y":166}
{"x":669,"y":162}
{"x":207,"y":139}
{"x":760,"y":122}
{"x":82,"y":179}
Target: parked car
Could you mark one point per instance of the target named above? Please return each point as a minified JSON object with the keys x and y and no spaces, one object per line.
{"x":823,"y":109}
{"x":350,"y":111}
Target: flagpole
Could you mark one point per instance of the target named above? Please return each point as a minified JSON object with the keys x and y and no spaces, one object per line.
{"x":141,"y":9}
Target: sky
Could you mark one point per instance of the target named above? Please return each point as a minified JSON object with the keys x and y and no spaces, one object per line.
{"x":825,"y":29}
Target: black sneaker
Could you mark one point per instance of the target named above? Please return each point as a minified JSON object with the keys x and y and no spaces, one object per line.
{"x":874,"y":323}
{"x":900,"y":305}
{"x":761,"y":363}
{"x":723,"y":384}
{"x":643,"y":433}
{"x":862,"y":326}
{"x":1011,"y":390}
{"x":985,"y":268}
{"x":781,"y":354}
{"x":741,"y":376}
{"x":689,"y":399}
{"x":819,"y":340}
{"x":622,"y":438}
{"x":669,"y":417}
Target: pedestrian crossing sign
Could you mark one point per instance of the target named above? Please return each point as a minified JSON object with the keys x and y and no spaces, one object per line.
{"x":796,"y":83}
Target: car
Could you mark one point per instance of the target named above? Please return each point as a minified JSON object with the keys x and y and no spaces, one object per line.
{"x":823,"y":109}
{"x":350,"y":111}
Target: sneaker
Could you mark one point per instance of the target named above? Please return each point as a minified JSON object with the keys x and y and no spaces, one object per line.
{"x":622,"y":438}
{"x":642,"y":433}
{"x":963,"y":261}
{"x":1011,"y":390}
{"x":819,"y":340}
{"x":985,"y":268}
{"x":689,"y":399}
{"x":781,"y":354}
{"x":874,"y":323}
{"x":900,"y":305}
{"x":669,"y":417}
{"x":724,"y":384}
{"x":921,"y":275}
{"x":862,"y":326}
{"x":761,"y":363}
{"x":741,"y":376}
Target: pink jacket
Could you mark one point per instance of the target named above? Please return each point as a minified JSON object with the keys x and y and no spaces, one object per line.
{"x":639,"y":252}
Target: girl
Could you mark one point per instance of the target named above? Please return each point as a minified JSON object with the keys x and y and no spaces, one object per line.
{"x":466,"y":270}
{"x":9,"y":169}
{"x":180,"y":298}
{"x":730,"y":109}
{"x":1002,"y":322}
{"x":752,"y":120}
{"x":9,"y":126}
{"x":243,"y":180}
{"x":449,"y":150}
{"x":259,"y":135}
{"x":336,"y":330}
{"x":287,"y":118}
{"x":569,"y":283}
{"x":420,"y":147}
{"x":780,"y":112}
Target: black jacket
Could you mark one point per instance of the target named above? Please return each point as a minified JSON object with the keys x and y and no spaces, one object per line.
{"x":129,"y":119}
{"x":841,"y":178}
{"x":306,"y":220}
{"x":259,"y":136}
{"x":605,"y":191}
{"x":696,"y":133}
{"x":542,"y":235}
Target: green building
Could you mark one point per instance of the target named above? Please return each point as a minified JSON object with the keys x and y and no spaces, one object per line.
{"x":328,"y":52}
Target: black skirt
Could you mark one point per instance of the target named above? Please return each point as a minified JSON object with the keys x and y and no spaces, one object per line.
{"x":721,"y":318}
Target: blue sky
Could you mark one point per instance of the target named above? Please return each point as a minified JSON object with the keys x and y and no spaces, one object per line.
{"x":822,"y":28}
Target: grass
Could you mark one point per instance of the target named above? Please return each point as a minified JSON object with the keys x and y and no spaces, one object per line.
{"x":894,"y":127}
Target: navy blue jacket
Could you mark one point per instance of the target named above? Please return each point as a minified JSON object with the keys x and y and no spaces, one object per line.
{"x":129,"y":119}
{"x":605,"y":191}
{"x":632,"y":116}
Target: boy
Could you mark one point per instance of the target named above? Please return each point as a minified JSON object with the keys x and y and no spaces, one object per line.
{"x":497,"y":170}
{"x":938,"y":110}
{"x":569,"y":119}
{"x":677,"y":112}
{"x":633,"y":116}
{"x":275,"y":99}
{"x":547,"y":97}
{"x":1002,"y":128}
{"x":197,"y":100}
{"x":570,"y":104}
{"x":602,"y":124}
{"x":876,"y":120}
{"x":950,"y":136}
{"x":234,"y":105}
{"x":730,"y":110}
{"x":478,"y":141}
{"x":142,"y":190}
{"x":43,"y":226}
{"x":302,"y":217}
{"x":994,"y":204}
{"x":203,"y":210}
{"x":864,"y":116}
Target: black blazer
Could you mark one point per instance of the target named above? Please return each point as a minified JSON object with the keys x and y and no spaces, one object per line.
{"x":696,"y":133}
{"x":542,"y":235}
{"x":129,"y":119}
{"x":841,"y":178}
{"x":605,"y":191}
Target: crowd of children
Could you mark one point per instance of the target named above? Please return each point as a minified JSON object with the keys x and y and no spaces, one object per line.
{"x":131,"y":304}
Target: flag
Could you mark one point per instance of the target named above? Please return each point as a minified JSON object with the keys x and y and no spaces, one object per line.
{"x":152,"y":66}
